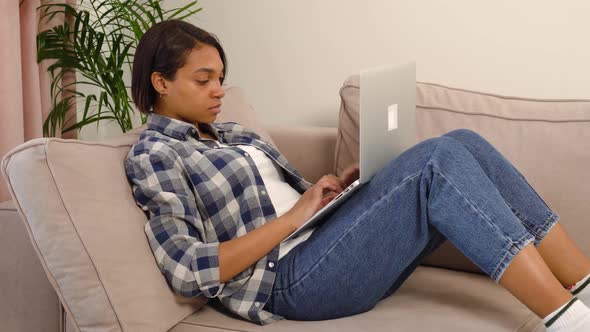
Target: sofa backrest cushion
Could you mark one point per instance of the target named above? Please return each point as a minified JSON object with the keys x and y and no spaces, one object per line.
{"x":88,"y":232}
{"x":547,"y":140}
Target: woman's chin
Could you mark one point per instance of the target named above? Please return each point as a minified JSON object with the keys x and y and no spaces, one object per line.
{"x":210,"y":118}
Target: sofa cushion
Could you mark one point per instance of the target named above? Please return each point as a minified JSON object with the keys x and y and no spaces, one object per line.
{"x":547,"y":140}
{"x":88,"y":231}
{"x":28,"y":300}
{"x":431,"y":299}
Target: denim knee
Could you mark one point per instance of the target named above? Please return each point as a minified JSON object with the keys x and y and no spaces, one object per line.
{"x":464,"y":134}
{"x":446,"y":143}
{"x":449,"y":145}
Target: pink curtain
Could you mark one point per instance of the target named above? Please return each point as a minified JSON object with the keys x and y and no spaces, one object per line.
{"x":24,"y":88}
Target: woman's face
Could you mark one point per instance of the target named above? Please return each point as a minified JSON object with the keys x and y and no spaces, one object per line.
{"x":194,"y":96}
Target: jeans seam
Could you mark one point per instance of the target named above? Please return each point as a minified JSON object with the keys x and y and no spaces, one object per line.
{"x":507,"y":257}
{"x":471,"y":204}
{"x":523,"y":218}
{"x":552,"y":213}
{"x":516,"y":244}
{"x":548,"y":224}
{"x":355,"y":224}
{"x":539,"y":231}
{"x":535,"y":231}
{"x":531,"y":187}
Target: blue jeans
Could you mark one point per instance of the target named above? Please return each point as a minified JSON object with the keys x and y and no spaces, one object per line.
{"x":456,"y":187}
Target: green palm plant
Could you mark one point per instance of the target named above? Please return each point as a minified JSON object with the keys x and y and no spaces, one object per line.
{"x":97,"y":42}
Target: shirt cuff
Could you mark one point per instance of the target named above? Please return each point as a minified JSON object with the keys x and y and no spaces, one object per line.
{"x":206,"y":267}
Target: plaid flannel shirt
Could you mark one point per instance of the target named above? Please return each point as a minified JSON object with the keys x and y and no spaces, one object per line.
{"x":197,"y":195}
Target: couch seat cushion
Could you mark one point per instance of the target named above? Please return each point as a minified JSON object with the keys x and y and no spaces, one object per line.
{"x":431,"y":299}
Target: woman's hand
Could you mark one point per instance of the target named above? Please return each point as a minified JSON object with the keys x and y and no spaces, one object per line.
{"x":350,"y":174}
{"x":314,"y":199}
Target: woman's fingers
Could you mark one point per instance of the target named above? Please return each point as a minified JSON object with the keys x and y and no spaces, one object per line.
{"x":327,"y":198}
{"x":338,"y":182}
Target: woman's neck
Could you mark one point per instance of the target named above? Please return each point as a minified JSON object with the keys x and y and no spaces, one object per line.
{"x":204,"y":133}
{"x":202,"y":129}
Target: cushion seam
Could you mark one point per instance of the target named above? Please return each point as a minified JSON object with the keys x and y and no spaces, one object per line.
{"x":94,"y":143}
{"x":572,"y":100}
{"x":41,"y":256}
{"x":67,"y":210}
{"x":24,"y":146}
{"x":348,"y":84}
{"x":497,"y":116}
{"x":339,"y":138}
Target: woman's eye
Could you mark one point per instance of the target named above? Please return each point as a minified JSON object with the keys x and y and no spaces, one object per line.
{"x":203,"y":82}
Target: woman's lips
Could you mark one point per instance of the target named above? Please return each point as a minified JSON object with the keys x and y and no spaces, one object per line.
{"x":216,"y":109}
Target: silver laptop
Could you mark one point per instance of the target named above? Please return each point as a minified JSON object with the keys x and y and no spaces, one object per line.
{"x":387,"y":127}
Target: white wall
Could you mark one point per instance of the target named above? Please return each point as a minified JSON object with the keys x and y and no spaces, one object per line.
{"x":291,"y":57}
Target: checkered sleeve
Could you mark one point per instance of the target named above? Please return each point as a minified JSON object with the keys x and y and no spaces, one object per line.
{"x":161,"y":187}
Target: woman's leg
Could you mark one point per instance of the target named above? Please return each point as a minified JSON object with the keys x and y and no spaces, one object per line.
{"x":432,"y":191}
{"x":564,"y":257}
{"x":362,"y":248}
{"x":560,"y":253}
{"x":530,"y":280}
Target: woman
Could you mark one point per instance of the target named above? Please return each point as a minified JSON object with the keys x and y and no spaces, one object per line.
{"x":220,"y":200}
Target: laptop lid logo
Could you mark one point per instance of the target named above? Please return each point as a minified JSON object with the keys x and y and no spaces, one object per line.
{"x":392,"y":117}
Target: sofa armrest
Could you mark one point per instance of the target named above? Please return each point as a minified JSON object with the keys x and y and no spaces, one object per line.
{"x":310,"y":149}
{"x":29,"y":302}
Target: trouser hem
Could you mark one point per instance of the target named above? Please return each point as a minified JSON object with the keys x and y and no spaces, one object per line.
{"x":513,"y":250}
{"x":546,"y":227}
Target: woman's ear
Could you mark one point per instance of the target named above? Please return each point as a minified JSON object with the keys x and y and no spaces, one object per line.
{"x":159,"y":83}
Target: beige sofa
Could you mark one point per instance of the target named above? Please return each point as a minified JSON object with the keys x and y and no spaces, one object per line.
{"x":75,"y":258}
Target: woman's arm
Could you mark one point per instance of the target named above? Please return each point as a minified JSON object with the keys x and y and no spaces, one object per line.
{"x":192,"y":266}
{"x":174,"y":227}
{"x":237,"y":254}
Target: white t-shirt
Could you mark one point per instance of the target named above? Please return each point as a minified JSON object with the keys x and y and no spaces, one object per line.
{"x":281,"y":194}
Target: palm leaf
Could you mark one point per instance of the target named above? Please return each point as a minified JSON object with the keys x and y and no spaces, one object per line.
{"x":184,"y":9}
{"x":98,"y":45}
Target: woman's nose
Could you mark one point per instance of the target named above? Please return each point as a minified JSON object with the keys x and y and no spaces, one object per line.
{"x":219,"y":91}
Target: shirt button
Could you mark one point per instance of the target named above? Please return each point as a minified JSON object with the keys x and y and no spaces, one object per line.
{"x":271,"y":264}
{"x":263,"y":192}
{"x":257,"y":304}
